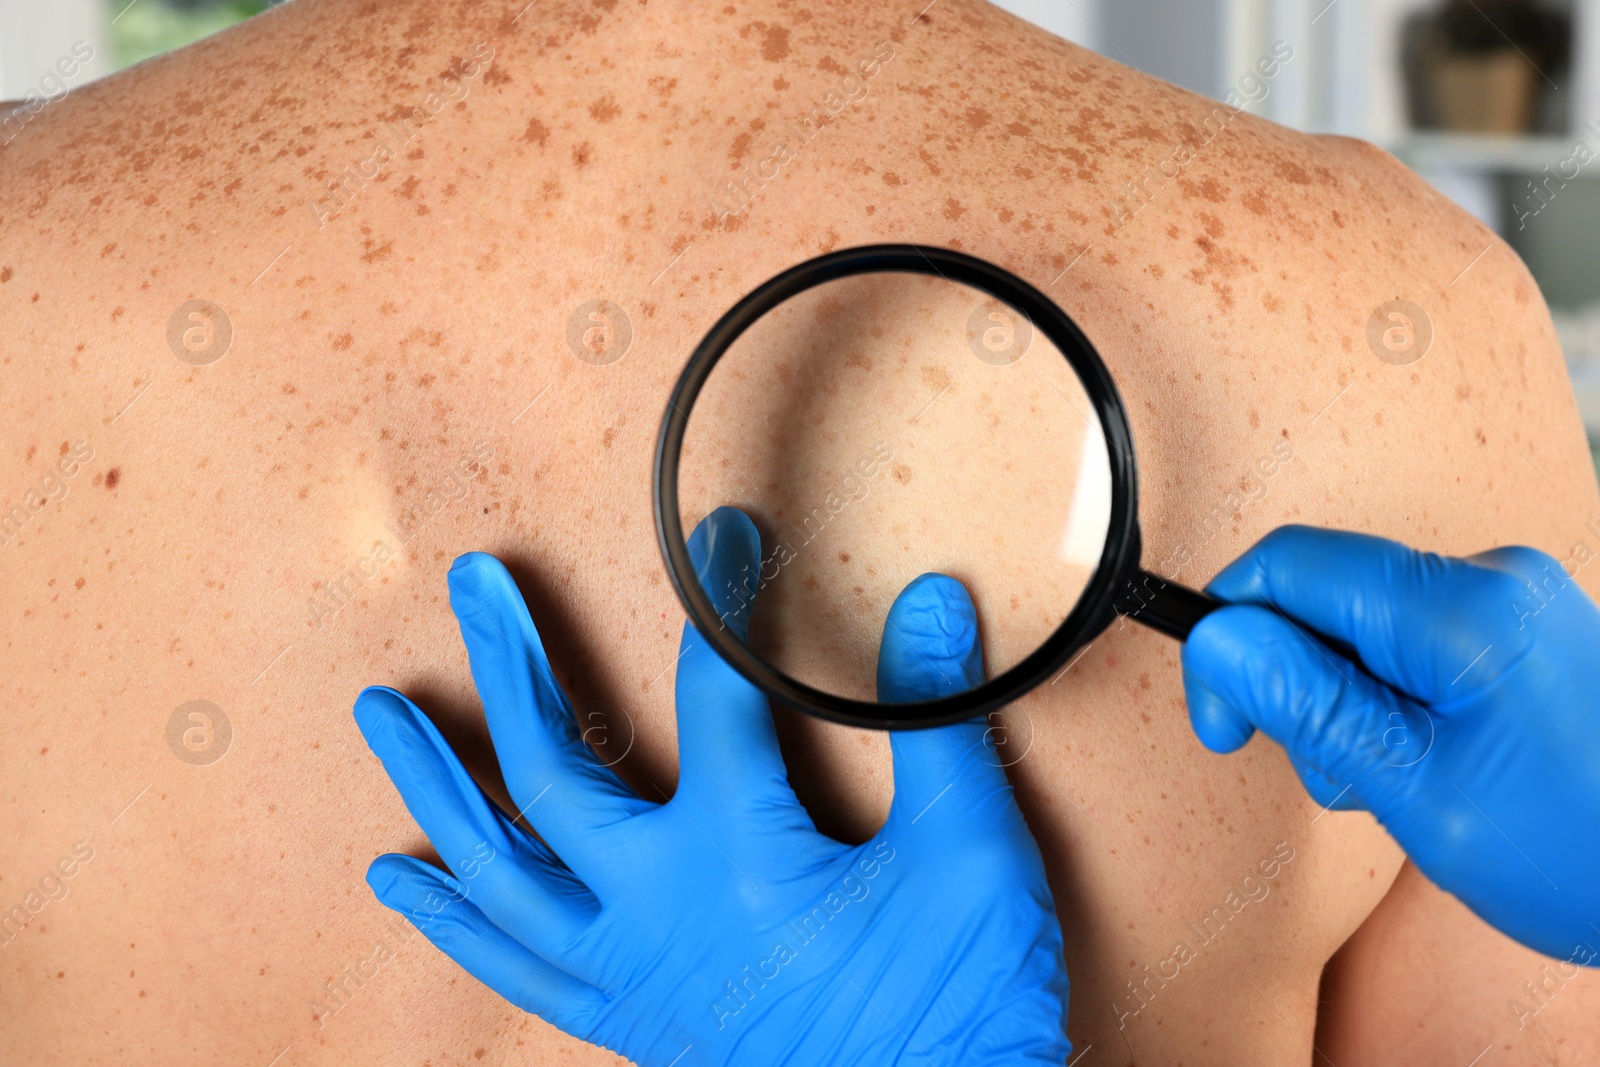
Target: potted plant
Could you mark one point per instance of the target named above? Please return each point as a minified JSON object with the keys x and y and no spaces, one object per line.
{"x":1484,"y":66}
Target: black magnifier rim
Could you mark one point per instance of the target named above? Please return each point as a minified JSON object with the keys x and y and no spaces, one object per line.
{"x":1088,"y":617}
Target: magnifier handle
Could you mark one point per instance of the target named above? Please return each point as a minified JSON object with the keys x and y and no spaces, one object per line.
{"x":1164,"y":606}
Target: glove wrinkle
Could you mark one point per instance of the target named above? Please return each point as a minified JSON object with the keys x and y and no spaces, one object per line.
{"x":1470,"y":733}
{"x":721,"y":921}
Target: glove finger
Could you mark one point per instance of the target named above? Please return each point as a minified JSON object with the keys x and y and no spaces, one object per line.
{"x":931,"y":649}
{"x":1222,"y":728}
{"x":727,"y":746}
{"x":1247,"y":668}
{"x":535,"y":733}
{"x":1331,"y":794}
{"x":511,"y":876}
{"x":1400,"y":610}
{"x":436,"y":904}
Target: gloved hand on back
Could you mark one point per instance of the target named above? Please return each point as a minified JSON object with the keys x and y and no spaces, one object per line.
{"x":1458,"y":700}
{"x":718,"y":926}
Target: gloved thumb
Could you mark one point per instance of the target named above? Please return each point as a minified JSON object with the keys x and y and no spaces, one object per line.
{"x":931,"y":649}
{"x":1350,"y":738}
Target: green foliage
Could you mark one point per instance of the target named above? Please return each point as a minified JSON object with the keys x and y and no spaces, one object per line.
{"x":147,"y":28}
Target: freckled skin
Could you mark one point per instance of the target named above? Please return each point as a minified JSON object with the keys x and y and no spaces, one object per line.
{"x":373,"y":349}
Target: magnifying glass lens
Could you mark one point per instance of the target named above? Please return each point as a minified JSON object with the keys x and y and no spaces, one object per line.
{"x":886,"y":425}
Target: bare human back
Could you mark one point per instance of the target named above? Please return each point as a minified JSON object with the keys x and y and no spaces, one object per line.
{"x":319,"y":304}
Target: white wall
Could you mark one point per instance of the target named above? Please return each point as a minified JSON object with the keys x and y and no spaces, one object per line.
{"x":1345,"y":76}
{"x":1072,"y":19}
{"x":36,"y":34}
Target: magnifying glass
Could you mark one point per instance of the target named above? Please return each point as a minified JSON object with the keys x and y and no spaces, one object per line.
{"x":891,"y":410}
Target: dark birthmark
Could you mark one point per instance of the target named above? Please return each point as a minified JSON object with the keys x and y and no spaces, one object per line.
{"x":113,"y":476}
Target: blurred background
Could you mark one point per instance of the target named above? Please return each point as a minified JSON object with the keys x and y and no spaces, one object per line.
{"x":1496,"y":102}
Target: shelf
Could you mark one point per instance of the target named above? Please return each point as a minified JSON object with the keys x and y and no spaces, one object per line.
{"x":1485,"y":152}
{"x":1586,"y":384}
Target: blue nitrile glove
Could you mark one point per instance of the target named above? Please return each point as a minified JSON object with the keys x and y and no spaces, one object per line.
{"x":1470,"y":726}
{"x":718,"y":926}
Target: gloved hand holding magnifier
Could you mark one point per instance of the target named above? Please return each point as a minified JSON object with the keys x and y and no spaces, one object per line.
{"x":823,"y":406}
